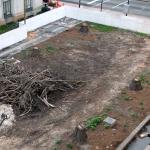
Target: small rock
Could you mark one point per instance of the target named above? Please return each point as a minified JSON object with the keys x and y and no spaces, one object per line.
{"x":107,"y":147}
{"x":110,"y":121}
{"x":7,"y":117}
{"x":85,"y":147}
{"x":16,"y":62}
{"x":69,"y":45}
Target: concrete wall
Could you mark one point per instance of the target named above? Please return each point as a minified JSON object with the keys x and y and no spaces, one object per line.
{"x":116,"y":19}
{"x":1,"y":13}
{"x":133,"y":23}
{"x":45,"y":18}
{"x":12,"y":37}
{"x":19,"y":34}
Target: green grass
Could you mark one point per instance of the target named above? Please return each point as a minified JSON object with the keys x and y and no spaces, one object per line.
{"x":126,"y":125}
{"x":144,"y":79}
{"x":8,"y":27}
{"x":50,"y":48}
{"x":106,"y":126}
{"x":141,"y":105}
{"x":58,"y":142}
{"x":141,"y":34}
{"x":125,"y":97}
{"x":93,"y":122}
{"x":69,"y":146}
{"x":102,"y":28}
{"x":134,"y":114}
{"x":55,"y":148}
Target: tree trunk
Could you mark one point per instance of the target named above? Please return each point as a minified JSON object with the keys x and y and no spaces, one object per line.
{"x":135,"y":85}
{"x":84,"y":28}
{"x":79,"y":135}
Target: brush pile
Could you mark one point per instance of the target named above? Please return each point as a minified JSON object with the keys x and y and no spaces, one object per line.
{"x":28,"y":92}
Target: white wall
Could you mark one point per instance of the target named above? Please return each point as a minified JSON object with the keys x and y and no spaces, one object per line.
{"x":116,"y":19}
{"x":12,"y":37}
{"x":1,"y":10}
{"x":45,"y":18}
{"x":17,"y":7}
{"x":37,"y":3}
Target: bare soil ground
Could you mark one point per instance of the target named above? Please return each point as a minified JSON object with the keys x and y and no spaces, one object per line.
{"x":106,"y":61}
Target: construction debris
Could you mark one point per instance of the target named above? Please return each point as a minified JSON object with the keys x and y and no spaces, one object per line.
{"x":7,"y":117}
{"x":28,"y":92}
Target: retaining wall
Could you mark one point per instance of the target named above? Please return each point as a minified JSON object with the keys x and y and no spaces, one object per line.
{"x":116,"y":19}
{"x":44,"y":19}
{"x":12,"y":37}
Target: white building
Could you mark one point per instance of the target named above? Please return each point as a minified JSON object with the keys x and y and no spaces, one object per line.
{"x":12,"y":10}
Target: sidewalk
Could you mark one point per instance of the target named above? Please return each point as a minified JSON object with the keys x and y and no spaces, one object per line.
{"x":40,"y":35}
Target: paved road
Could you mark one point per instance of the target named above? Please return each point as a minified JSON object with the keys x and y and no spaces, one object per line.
{"x":137,"y":7}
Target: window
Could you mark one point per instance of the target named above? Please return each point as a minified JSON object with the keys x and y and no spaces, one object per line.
{"x":28,"y":4}
{"x":7,"y":8}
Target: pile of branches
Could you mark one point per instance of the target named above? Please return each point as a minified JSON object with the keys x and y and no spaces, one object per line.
{"x":28,"y":92}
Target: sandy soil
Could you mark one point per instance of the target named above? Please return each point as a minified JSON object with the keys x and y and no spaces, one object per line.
{"x":105,"y":61}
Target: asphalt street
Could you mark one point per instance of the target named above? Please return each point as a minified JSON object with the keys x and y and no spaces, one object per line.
{"x":137,"y":7}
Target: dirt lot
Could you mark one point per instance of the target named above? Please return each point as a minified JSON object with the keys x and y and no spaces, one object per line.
{"x":106,"y":62}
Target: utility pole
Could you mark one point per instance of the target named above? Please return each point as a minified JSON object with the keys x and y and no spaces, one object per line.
{"x":24,"y":1}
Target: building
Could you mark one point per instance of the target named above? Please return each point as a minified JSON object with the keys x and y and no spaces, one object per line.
{"x":13,"y":10}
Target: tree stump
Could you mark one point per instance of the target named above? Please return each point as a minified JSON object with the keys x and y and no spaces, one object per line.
{"x":135,"y":85}
{"x":35,"y":52}
{"x":79,"y":135}
{"x":84,"y":28}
